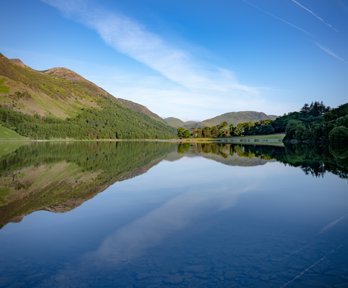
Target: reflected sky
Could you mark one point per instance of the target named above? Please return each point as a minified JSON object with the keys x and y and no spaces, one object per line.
{"x":193,"y":222}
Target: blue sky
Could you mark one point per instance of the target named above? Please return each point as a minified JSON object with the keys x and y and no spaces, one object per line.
{"x":190,"y":59}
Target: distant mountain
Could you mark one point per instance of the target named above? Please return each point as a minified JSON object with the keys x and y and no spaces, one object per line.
{"x":193,"y":124}
{"x":59,"y":103}
{"x":231,"y":117}
{"x":174,"y":122}
{"x":238,"y":117}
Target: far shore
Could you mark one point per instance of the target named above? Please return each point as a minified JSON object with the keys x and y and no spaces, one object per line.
{"x":272,"y":139}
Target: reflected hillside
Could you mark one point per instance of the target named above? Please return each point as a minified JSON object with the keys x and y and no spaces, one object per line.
{"x":228,"y":154}
{"x":58,"y":177}
{"x":313,"y":160}
{"x":61,"y":176}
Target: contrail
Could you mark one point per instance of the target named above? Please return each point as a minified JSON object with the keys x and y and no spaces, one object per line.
{"x":299,"y":275}
{"x":298,"y":28}
{"x":279,"y":18}
{"x":330,"y":52}
{"x":314,"y":15}
{"x":332,"y":224}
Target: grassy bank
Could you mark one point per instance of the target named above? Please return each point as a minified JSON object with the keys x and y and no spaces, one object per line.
{"x":8,"y":134}
{"x":272,"y":139}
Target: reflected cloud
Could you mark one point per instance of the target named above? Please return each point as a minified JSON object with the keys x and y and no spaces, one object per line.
{"x":148,"y":231}
{"x":136,"y":238}
{"x":332,"y":224}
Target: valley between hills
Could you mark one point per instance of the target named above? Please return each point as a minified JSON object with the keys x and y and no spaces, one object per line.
{"x":58,"y":103}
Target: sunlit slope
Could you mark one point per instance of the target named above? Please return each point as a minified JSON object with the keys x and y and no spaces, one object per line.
{"x":59,"y":103}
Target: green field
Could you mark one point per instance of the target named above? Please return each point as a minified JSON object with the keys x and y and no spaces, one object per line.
{"x":259,"y":138}
{"x":272,"y":139}
{"x":9,"y":141}
{"x":8,"y":134}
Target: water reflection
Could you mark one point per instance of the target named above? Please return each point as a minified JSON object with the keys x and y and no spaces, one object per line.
{"x":312,"y":159}
{"x":134,"y":240}
{"x":58,"y":177}
{"x":61,"y":176}
{"x":204,"y":215}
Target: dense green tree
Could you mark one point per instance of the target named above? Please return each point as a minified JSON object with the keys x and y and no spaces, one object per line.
{"x":214,"y":131}
{"x":232,"y":129}
{"x":197,"y":133}
{"x":180,"y":132}
{"x":239,"y":131}
{"x":312,"y":123}
{"x":315,"y":123}
{"x":183,"y":148}
{"x":187,"y":134}
{"x":339,"y":134}
{"x":108,"y":123}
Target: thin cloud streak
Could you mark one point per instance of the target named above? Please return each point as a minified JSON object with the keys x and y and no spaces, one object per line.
{"x":278,"y":18}
{"x":331,"y":53}
{"x":314,"y":15}
{"x":321,"y":47}
{"x":132,"y":39}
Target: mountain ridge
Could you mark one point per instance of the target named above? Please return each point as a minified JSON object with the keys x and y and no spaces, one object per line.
{"x":229,"y":117}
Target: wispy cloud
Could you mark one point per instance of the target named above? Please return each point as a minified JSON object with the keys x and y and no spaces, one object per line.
{"x":314,"y":15}
{"x":177,"y":100}
{"x":131,"y":38}
{"x":331,"y":53}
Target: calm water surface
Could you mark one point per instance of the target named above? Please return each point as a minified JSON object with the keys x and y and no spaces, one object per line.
{"x":168,"y":215}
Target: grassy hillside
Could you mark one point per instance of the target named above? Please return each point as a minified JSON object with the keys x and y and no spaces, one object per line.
{"x":33,"y":92}
{"x":174,"y":122}
{"x":140,"y":109}
{"x":238,"y":117}
{"x":7,"y":134}
{"x":58,"y":103}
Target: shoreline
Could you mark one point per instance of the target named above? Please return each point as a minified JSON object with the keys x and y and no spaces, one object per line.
{"x":273,"y":139}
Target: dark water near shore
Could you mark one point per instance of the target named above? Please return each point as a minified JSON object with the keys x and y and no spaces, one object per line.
{"x":168,"y":215}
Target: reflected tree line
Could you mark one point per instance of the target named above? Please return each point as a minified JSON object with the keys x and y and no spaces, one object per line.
{"x":59,"y":177}
{"x":314,"y":160}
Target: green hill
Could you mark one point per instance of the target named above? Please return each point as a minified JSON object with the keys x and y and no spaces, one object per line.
{"x":59,"y":103}
{"x":231,"y":117}
{"x":238,"y":117}
{"x":174,"y":122}
{"x":139,"y":108}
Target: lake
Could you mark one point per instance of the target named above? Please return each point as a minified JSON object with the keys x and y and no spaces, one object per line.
{"x":132,"y":214}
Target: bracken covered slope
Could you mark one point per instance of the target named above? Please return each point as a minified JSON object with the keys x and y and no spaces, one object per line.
{"x":33,"y":103}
